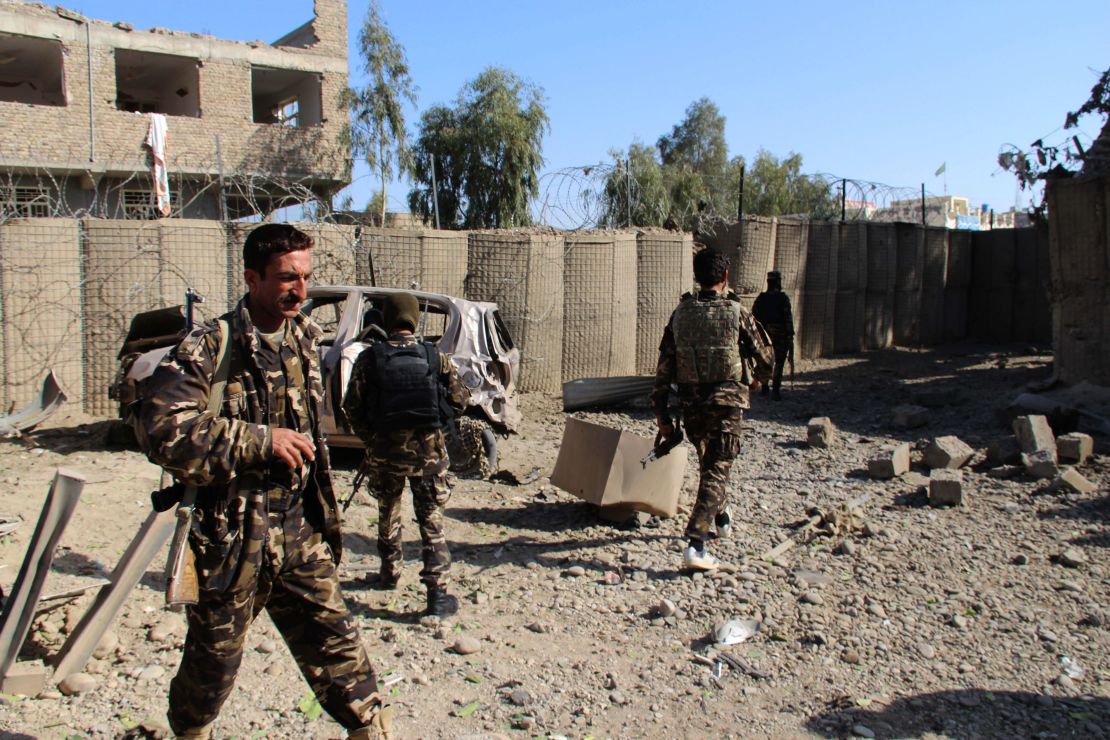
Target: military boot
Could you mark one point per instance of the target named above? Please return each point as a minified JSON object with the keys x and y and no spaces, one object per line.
{"x":380,"y":727}
{"x":441,"y":603}
{"x":387,"y":579}
{"x":198,"y":733}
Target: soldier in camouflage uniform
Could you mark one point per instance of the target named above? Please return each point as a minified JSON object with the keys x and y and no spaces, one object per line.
{"x":265,"y":531}
{"x":772,"y":309}
{"x":401,"y":395}
{"x":707,"y":350}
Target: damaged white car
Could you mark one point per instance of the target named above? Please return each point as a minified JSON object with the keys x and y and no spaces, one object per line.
{"x":471,"y":333}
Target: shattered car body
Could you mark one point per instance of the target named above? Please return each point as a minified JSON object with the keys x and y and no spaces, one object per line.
{"x":471,"y":333}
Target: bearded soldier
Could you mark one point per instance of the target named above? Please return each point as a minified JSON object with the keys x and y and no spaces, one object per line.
{"x":712,"y":350}
{"x":772,"y":310}
{"x":402,"y":394}
{"x":265,"y":533}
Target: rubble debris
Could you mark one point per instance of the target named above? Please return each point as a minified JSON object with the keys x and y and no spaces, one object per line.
{"x":1075,"y":447}
{"x":843,"y":520}
{"x":890,"y":462}
{"x":1035,"y":435}
{"x":25,"y":679}
{"x":821,"y":432}
{"x":1040,"y":464}
{"x":1073,"y":557}
{"x":1071,"y":479}
{"x":947,"y":452}
{"x":9,"y":523}
{"x":1004,"y":472}
{"x":51,"y":397}
{"x":735,"y":631}
{"x":909,"y":416}
{"x":1061,"y":417}
{"x":586,"y":392}
{"x":946,"y":487}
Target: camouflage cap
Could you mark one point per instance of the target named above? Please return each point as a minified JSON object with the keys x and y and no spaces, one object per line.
{"x":401,"y":311}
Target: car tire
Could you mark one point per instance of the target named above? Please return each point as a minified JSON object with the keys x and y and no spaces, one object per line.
{"x":473,"y":450}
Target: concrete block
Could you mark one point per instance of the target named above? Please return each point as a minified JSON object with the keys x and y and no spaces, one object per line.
{"x":821,"y":432}
{"x":890,"y":462}
{"x":946,"y":487}
{"x":1004,"y":451}
{"x":1034,"y":434}
{"x":1040,"y":464}
{"x":1071,"y":479}
{"x":910,"y":416}
{"x":1075,"y":447}
{"x":947,"y":452}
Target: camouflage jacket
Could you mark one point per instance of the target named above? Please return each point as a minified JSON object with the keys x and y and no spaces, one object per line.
{"x":229,"y":456}
{"x":696,"y":395}
{"x":408,"y":452}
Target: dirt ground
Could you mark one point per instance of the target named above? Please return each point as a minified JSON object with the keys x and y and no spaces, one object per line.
{"x":922,"y":622}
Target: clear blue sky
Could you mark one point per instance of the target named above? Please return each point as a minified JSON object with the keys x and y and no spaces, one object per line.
{"x":880,"y":91}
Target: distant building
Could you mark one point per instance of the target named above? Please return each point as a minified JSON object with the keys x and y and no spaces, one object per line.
{"x":250,"y":126}
{"x":950,"y":211}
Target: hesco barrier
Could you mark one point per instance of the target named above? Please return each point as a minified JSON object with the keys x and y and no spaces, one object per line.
{"x":817,"y":327}
{"x":991,"y":302}
{"x":664,"y":271}
{"x":195,"y":255}
{"x":334,"y":254}
{"x":40,"y":308}
{"x":755,"y":256}
{"x":523,"y":273}
{"x":599,"y":305}
{"x":791,"y":242}
{"x":851,"y":284}
{"x":878,"y":329}
{"x":433,"y":260}
{"x":910,"y":263}
{"x":123,"y":264}
{"x":935,"y":267}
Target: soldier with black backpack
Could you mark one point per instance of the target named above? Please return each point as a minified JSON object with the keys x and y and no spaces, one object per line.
{"x":402,"y":394}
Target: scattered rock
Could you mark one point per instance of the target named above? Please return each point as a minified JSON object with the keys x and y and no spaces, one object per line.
{"x":1073,"y":481}
{"x":107,"y":645}
{"x":520,"y":697}
{"x":1073,"y":557}
{"x":1005,"y":472}
{"x":862,"y":731}
{"x":851,"y":657}
{"x":266,"y":646}
{"x":1040,"y":464}
{"x":1075,"y":447}
{"x":812,"y":597}
{"x":466,"y":645}
{"x":166,"y":629}
{"x":1034,"y":435}
{"x":820,"y":432}
{"x":665,"y":608}
{"x":574,"y":571}
{"x":946,"y":487}
{"x":150,"y":673}
{"x":78,"y":683}
{"x":1004,"y":451}
{"x":947,"y":452}
{"x":891,"y":461}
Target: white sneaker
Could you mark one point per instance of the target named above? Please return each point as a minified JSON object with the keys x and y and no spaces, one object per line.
{"x":699,"y":559}
{"x":723,"y":520}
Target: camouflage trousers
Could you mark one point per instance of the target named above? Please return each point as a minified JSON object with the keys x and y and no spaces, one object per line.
{"x":299,"y":587}
{"x":429,"y":497}
{"x":715,"y":433}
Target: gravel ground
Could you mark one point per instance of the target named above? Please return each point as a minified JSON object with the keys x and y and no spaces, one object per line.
{"x":912,"y":621}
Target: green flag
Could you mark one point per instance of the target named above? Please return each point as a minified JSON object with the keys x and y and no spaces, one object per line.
{"x":940,"y":170}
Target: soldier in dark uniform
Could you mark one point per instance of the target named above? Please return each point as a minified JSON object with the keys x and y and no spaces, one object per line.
{"x":772,"y":309}
{"x":265,"y":532}
{"x":710,"y":351}
{"x":401,"y":395}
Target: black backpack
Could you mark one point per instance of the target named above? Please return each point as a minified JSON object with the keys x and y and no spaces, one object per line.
{"x":409,"y":389}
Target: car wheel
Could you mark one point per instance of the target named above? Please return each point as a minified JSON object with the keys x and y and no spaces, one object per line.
{"x":473,"y":449}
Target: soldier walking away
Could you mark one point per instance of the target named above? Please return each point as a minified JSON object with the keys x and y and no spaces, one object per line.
{"x":711,"y":350}
{"x":265,"y":533}
{"x":772,"y":310}
{"x":402,"y":394}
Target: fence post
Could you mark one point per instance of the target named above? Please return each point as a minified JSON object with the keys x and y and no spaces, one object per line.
{"x":922,"y":204}
{"x":843,"y":197}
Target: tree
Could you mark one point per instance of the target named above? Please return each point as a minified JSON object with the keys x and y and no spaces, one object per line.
{"x":774,"y":187}
{"x":487,"y":153}
{"x":695,"y":157}
{"x":635,"y":188}
{"x":378,"y":122}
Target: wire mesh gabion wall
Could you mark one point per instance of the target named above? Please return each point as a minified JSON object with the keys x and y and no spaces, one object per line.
{"x":403,"y":258}
{"x":851,"y":283}
{"x":817,"y":330}
{"x":522,"y":271}
{"x":879,"y":301}
{"x":40,"y":307}
{"x":664,"y":271}
{"x":599,"y":305}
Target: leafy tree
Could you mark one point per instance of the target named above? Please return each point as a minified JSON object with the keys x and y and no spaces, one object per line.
{"x":487,"y":152}
{"x":774,"y":187}
{"x":638,"y":176}
{"x":695,"y":156}
{"x":378,"y":121}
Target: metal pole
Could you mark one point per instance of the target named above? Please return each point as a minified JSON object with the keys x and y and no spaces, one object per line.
{"x":843,"y":197}
{"x":435,"y":191}
{"x":922,"y":204}
{"x":628,"y":189}
{"x":740,"y":197}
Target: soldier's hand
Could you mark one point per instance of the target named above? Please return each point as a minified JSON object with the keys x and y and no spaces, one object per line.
{"x":292,"y":447}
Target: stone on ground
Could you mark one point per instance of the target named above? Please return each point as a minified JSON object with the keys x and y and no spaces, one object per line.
{"x":1075,"y":447}
{"x":1071,"y":479}
{"x":1004,"y":451}
{"x":821,"y":432}
{"x":890,"y":462}
{"x":947,"y":452}
{"x":1040,"y":464}
{"x":1034,"y":434}
{"x":946,"y":487}
{"x":909,"y":416}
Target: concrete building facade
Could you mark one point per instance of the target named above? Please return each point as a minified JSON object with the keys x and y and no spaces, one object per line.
{"x":250,"y":125}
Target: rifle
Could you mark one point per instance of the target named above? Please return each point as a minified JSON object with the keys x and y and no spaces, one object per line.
{"x":663,"y":445}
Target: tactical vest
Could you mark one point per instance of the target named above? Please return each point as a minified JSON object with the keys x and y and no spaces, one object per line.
{"x":706,"y":337}
{"x":409,"y":388}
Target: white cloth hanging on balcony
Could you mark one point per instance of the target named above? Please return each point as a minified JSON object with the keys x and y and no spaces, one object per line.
{"x":156,"y":140}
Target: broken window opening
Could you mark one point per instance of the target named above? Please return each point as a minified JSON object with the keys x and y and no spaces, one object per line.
{"x":17,"y":202}
{"x":157,"y":83}
{"x":141,"y":205}
{"x":31,"y":70}
{"x":286,"y":97}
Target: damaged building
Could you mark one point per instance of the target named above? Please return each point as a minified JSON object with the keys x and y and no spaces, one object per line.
{"x":242,"y":127}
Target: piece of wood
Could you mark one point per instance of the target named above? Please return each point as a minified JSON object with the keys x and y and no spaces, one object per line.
{"x":151,"y":538}
{"x":814,"y":520}
{"x":19,"y":607}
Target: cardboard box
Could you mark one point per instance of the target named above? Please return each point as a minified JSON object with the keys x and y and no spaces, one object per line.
{"x":602,"y":465}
